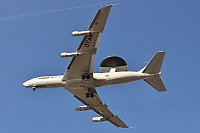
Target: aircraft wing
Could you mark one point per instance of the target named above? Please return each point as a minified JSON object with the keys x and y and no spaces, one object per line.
{"x":84,"y":63}
{"x":97,"y":106}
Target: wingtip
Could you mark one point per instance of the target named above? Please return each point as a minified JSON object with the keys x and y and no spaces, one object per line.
{"x":112,"y":4}
{"x":161,"y":52}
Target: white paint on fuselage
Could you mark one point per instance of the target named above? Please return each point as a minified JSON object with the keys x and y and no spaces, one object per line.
{"x":44,"y":82}
{"x":99,"y":79}
{"x":120,"y":77}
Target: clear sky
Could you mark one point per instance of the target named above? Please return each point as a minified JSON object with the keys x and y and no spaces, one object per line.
{"x":31,"y":41}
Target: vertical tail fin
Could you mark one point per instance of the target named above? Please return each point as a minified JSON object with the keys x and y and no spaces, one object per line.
{"x":153,"y":67}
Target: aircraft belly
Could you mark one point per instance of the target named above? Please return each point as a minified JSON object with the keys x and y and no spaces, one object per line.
{"x":87,"y":83}
{"x":122,"y":80}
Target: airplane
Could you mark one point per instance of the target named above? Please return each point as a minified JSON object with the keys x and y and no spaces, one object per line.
{"x":80,"y":79}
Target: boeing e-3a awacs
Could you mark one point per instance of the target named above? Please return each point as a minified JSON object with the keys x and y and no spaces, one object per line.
{"x":81,"y":81}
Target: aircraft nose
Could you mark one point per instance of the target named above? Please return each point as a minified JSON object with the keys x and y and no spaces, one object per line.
{"x":26,"y":84}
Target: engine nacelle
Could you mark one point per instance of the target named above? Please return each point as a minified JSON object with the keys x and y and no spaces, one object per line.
{"x":81,"y":33}
{"x":65,"y":54}
{"x":98,"y":119}
{"x":83,"y":108}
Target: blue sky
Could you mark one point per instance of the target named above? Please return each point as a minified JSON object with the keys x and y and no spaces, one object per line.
{"x":135,"y":30}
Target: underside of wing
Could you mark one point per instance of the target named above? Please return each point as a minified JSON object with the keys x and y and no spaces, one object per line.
{"x":96,"y":104}
{"x":82,"y":66}
{"x":84,"y":62}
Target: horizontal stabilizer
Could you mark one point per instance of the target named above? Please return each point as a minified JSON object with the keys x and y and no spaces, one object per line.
{"x":157,"y":83}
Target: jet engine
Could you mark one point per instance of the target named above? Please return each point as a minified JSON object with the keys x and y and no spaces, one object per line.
{"x":113,"y":62}
{"x":65,"y":54}
{"x":98,"y":119}
{"x":83,"y":108}
{"x":81,"y":33}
